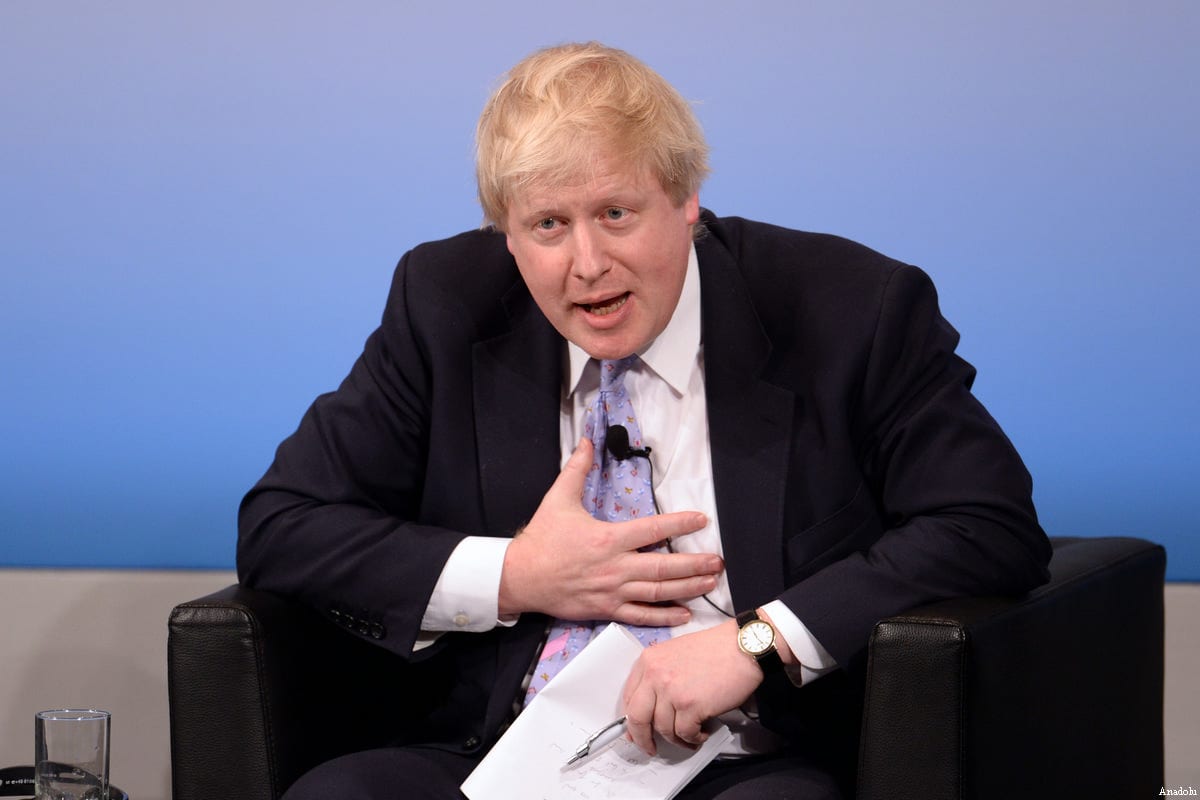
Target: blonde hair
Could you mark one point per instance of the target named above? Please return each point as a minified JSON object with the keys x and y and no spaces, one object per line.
{"x":559,"y":108}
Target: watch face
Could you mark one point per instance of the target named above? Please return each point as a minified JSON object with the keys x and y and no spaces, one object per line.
{"x":756,"y":637}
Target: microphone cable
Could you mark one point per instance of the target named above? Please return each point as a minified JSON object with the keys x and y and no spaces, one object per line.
{"x":616,"y":442}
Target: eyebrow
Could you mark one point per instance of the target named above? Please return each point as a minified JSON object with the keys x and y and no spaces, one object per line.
{"x":629,"y":198}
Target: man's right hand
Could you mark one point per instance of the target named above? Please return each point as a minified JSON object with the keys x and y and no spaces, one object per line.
{"x":569,"y":565}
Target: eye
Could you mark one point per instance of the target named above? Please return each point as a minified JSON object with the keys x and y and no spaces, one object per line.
{"x":547,"y":224}
{"x":615,"y":214}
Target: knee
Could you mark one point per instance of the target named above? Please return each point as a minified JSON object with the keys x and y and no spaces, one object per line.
{"x":385,"y":774}
{"x":348,"y":776}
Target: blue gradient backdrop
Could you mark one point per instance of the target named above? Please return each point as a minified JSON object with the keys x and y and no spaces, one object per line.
{"x":201,"y":206}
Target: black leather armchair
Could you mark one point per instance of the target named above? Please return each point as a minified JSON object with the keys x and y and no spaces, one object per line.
{"x":1054,"y":694}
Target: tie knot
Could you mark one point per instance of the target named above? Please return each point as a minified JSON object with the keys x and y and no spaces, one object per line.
{"x":612,"y":373}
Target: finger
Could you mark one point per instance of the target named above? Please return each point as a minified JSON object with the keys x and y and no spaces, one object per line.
{"x":569,"y":483}
{"x":632,"y":683}
{"x":638,"y":533}
{"x":638,"y":702}
{"x":652,"y":616}
{"x":657,"y":603}
{"x":669,"y":590}
{"x":639,"y":713}
{"x":664,"y":721}
{"x":690,"y":732}
{"x":660,"y":567}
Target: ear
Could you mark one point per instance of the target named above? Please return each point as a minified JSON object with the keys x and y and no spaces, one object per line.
{"x":691,"y":207}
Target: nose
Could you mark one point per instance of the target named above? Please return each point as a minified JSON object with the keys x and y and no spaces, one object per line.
{"x":589,"y":260}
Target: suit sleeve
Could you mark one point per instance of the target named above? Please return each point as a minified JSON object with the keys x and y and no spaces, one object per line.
{"x":945,"y":504}
{"x":333,"y":520}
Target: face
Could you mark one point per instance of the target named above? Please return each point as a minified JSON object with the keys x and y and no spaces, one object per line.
{"x":604,"y":258}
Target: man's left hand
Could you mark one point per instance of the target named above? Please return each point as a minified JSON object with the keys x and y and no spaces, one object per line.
{"x":678,"y":684}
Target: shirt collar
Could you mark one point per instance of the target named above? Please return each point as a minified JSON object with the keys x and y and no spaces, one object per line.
{"x":672,"y":353}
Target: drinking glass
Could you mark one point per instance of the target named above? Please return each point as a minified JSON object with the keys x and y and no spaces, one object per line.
{"x":71,"y":754}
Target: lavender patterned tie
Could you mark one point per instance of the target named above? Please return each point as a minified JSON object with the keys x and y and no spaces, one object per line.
{"x":614,"y":491}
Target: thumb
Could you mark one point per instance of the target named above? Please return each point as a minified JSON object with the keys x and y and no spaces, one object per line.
{"x":574,"y":472}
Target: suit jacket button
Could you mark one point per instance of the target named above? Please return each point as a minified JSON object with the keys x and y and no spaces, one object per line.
{"x":378,"y":631}
{"x":471,"y":743}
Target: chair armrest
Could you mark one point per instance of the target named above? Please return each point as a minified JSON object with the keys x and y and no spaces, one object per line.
{"x":262,"y":689}
{"x":1054,"y":694}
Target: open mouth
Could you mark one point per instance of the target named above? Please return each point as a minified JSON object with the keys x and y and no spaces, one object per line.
{"x":605,"y":307}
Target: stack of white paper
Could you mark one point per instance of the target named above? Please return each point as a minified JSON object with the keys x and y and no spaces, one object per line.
{"x":528,"y":763}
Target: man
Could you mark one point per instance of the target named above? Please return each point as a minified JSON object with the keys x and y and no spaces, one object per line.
{"x":816,"y":452}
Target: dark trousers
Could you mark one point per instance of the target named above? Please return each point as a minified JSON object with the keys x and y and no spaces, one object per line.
{"x":416,"y":773}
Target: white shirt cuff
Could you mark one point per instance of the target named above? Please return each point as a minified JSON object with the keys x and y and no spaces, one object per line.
{"x":814,"y":660}
{"x":466,"y":596}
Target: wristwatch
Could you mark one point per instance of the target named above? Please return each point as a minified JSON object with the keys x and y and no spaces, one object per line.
{"x":756,"y":638}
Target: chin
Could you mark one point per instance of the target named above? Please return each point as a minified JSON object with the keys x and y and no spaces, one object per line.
{"x":611,"y":350}
{"x":618,"y":342}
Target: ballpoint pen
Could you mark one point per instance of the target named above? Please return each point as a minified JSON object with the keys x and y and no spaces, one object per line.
{"x":600,"y":738}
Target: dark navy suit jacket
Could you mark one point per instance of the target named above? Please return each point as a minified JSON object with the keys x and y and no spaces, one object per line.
{"x":856,"y":476}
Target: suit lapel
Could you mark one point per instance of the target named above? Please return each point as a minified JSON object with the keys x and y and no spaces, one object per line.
{"x":517,"y":380}
{"x":750,"y":425}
